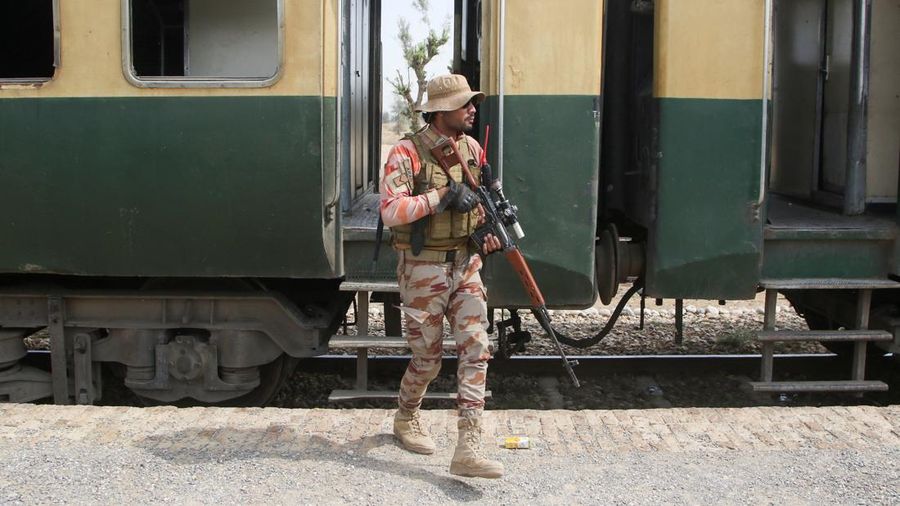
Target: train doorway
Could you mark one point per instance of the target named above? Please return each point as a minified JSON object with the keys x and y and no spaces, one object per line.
{"x":835,"y":83}
{"x":380,"y":82}
{"x":360,"y":103}
{"x":379,"y":90}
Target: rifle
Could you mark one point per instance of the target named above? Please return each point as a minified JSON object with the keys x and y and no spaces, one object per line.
{"x":498,"y":215}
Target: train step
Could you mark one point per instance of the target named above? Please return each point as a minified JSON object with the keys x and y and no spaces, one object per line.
{"x":860,"y":337}
{"x":367,"y":342}
{"x":828,"y":284}
{"x":350,"y":395}
{"x":818,"y":386}
{"x":362,"y":345}
{"x":823,"y":335}
{"x":377,"y":342}
{"x":370,"y":286}
{"x":363,"y":341}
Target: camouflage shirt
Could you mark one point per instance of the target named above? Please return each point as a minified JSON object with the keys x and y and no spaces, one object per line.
{"x":398,"y":204}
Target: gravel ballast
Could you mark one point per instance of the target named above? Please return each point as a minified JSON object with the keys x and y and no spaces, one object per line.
{"x":708,"y":328}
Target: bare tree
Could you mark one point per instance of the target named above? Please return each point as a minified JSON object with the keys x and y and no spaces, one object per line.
{"x":399,"y":109}
{"x":417,"y":56}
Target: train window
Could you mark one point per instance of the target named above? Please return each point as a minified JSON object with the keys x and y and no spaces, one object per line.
{"x":183,"y":43}
{"x":28,"y":40}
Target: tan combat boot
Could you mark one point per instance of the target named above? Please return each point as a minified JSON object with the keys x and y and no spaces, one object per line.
{"x":408,"y":429}
{"x":467,"y":459}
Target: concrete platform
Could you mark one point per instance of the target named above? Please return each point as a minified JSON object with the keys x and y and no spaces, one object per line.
{"x":223,"y":456}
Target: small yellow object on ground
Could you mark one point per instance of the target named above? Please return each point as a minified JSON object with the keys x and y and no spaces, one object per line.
{"x":515,"y":443}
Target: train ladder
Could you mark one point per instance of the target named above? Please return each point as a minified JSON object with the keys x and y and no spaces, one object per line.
{"x":860,"y":336}
{"x":363,"y":341}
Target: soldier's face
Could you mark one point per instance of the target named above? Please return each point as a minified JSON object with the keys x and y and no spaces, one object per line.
{"x":462,"y":119}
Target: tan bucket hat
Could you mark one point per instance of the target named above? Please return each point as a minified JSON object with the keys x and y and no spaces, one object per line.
{"x":449,"y":93}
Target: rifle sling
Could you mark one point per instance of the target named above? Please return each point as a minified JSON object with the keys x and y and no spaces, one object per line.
{"x":379,"y":233}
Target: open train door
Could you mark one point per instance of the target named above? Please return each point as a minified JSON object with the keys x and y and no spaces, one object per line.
{"x":837,"y":105}
{"x":835,"y":130}
{"x":467,"y":45}
{"x":361,"y":98}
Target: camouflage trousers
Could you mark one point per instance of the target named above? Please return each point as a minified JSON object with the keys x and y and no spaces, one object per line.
{"x":430,"y":291}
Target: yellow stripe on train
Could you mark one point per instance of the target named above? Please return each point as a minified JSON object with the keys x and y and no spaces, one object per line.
{"x":710,"y":49}
{"x":552,"y":48}
{"x":91,"y":55}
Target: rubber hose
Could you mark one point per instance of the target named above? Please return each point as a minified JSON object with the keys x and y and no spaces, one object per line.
{"x":584,"y":343}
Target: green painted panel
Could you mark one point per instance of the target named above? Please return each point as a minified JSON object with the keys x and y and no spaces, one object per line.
{"x":358,"y":260}
{"x":226,"y":186}
{"x":551,"y":152}
{"x":706,"y":239}
{"x":827,"y":258}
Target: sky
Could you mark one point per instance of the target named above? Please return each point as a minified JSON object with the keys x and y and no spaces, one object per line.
{"x":440,"y":11}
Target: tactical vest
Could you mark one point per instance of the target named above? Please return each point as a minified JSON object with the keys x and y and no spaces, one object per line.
{"x":449,"y":229}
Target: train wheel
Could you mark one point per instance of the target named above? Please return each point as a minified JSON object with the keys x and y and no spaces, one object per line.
{"x":272,"y":375}
{"x":272,"y":378}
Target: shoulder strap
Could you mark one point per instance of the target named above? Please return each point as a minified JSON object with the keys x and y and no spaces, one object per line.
{"x":417,"y":234}
{"x":466,"y":150}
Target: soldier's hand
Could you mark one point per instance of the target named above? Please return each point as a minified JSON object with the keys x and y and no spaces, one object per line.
{"x":491,"y":244}
{"x":462,"y":199}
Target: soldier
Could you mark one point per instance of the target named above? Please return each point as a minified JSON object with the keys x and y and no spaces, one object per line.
{"x":431,"y":220}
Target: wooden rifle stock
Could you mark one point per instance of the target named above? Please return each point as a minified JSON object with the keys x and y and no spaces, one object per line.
{"x":447,"y":155}
{"x":518,"y":263}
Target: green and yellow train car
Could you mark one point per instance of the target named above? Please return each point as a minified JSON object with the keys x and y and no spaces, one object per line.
{"x":167,"y":158}
{"x":188,"y":186}
{"x":210,"y":161}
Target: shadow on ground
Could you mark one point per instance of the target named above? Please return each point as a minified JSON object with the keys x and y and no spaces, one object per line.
{"x":209,"y":445}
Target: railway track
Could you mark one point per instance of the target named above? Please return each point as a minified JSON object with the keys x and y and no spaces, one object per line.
{"x":609,"y":382}
{"x":538,"y":382}
{"x":588,"y":365}
{"x":591,"y":365}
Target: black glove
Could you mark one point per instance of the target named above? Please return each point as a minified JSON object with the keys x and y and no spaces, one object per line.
{"x":458,"y":197}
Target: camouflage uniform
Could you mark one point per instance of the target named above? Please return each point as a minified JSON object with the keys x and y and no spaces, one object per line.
{"x":437,"y":273}
{"x":431,"y":290}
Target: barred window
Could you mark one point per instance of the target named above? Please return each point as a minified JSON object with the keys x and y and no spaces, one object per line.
{"x":185,"y":42}
{"x":28,"y":46}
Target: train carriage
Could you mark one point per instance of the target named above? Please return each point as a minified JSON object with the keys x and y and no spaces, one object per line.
{"x":187,"y":187}
{"x":157,"y":158}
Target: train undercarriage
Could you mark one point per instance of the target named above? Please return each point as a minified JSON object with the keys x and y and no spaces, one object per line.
{"x":166,"y":346}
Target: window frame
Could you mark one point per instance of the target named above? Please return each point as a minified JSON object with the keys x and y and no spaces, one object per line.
{"x":198,"y":82}
{"x":56,"y":55}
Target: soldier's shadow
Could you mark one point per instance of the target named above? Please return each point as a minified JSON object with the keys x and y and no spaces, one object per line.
{"x":202,"y":445}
